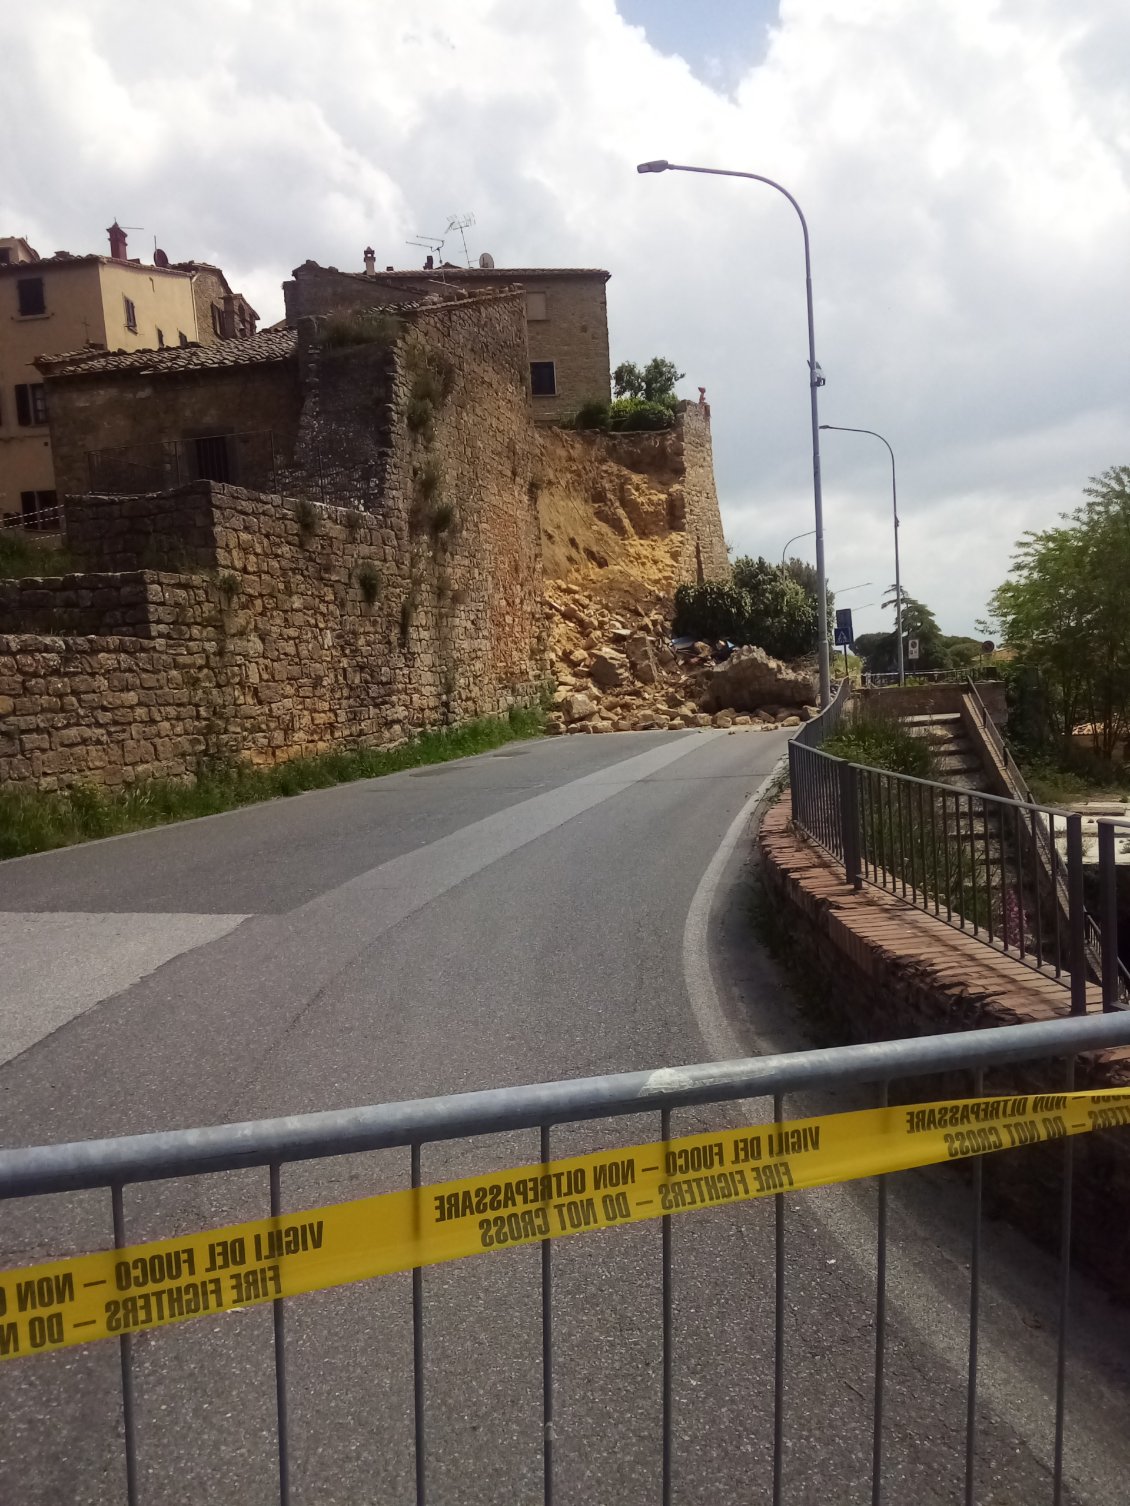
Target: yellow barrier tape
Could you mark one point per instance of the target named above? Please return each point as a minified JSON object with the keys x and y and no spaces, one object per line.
{"x":140,"y":1287}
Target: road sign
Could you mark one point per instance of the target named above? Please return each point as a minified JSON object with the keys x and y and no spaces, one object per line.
{"x":988,"y":647}
{"x":845,"y":635}
{"x":912,"y":648}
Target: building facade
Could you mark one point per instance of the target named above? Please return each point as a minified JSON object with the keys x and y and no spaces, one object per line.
{"x":566,"y":317}
{"x":74,"y":303}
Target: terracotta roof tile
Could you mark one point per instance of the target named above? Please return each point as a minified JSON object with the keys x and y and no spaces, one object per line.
{"x":271,"y":345}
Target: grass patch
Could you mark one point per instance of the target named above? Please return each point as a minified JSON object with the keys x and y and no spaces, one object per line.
{"x":882,"y":742}
{"x":31,"y":821}
{"x":1080,"y":779}
{"x":21,"y":554}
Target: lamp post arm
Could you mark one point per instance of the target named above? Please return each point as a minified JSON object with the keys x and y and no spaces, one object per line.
{"x":815,"y":381}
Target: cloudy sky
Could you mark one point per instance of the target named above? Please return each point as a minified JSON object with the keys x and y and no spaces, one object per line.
{"x":963,"y":165}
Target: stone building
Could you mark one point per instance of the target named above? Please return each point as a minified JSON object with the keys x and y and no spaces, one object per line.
{"x":146,"y":420}
{"x":212,"y":620}
{"x":566,"y":317}
{"x":65,"y":302}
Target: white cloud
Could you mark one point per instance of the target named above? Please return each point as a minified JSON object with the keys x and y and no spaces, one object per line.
{"x":963,"y":165}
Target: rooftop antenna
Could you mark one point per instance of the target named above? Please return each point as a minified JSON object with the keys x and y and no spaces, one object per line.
{"x":432,"y":243}
{"x":462,"y":223}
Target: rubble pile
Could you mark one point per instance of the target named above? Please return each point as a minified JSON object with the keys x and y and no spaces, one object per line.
{"x":616,"y":672}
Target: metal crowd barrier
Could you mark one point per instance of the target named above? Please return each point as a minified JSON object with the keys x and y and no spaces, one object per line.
{"x":272,"y":1144}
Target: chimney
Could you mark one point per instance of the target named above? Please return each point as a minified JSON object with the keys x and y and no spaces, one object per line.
{"x":370,"y":261}
{"x":429,"y":263}
{"x":117,"y":242}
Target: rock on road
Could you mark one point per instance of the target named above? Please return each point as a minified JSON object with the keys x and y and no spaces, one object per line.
{"x":532,"y":913}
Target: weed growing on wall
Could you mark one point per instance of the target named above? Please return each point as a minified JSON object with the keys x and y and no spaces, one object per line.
{"x":369,"y":583}
{"x":306,"y":516}
{"x":341,"y":331}
{"x":229,"y":586}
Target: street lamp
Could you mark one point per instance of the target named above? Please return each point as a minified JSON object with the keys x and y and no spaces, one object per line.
{"x":895,"y":510}
{"x":815,"y":381}
{"x":792,"y":541}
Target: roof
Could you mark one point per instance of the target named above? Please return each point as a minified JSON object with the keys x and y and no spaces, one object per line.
{"x":259,"y":350}
{"x":449,"y":273}
{"x":63,"y":259}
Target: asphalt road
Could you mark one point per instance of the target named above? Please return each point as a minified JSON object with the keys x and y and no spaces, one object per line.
{"x":552,"y":909}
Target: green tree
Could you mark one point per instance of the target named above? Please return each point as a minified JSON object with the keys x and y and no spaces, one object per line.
{"x":878,"y":652}
{"x":761,"y":606}
{"x":1066,"y":610}
{"x":918,"y":621}
{"x":654,"y":383}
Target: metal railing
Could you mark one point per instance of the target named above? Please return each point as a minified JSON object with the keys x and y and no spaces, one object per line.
{"x":1044,"y":839}
{"x":247,"y":459}
{"x":113,"y":1165}
{"x":1113,"y":970}
{"x":255,"y":459}
{"x":985,"y":864}
{"x":915,"y":677}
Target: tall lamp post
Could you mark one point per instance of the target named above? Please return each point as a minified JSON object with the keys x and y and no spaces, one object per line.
{"x":840,"y":428}
{"x":815,"y":381}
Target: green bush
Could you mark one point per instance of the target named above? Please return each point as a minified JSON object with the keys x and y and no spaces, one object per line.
{"x":883,"y":742}
{"x":592,"y":415}
{"x":631,"y":414}
{"x":780,"y":617}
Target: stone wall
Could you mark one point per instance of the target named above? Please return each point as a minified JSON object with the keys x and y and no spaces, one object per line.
{"x":266,"y":627}
{"x":103,"y":710}
{"x":133,"y":603}
{"x":705,"y":556}
{"x":931,"y":700}
{"x":170,"y":530}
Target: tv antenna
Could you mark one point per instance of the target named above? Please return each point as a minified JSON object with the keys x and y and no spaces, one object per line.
{"x":462,"y":223}
{"x":432,"y":243}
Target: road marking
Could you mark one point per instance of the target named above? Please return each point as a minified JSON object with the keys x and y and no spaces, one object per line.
{"x":719,"y":1036}
{"x":59,"y":964}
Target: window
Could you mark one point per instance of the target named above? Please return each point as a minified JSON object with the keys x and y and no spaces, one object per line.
{"x":39,"y":509}
{"x":213,"y":458}
{"x":31,"y":404}
{"x":543,"y":379}
{"x":29,"y":290}
{"x":160,"y":339}
{"x":535,"y":306}
{"x":217,"y":322}
{"x":131,"y":314}
{"x":5,"y":256}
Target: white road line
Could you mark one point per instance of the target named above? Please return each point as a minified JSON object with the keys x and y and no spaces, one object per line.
{"x":717,"y":1033}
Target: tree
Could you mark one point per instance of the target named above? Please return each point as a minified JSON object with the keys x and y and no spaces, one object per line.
{"x":655,"y":383}
{"x":878,"y":652}
{"x":1066,"y":610}
{"x":760,"y":606}
{"x":917,"y":622}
